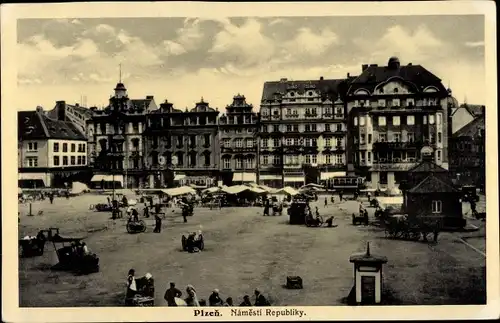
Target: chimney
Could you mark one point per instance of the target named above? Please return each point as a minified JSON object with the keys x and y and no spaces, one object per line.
{"x":283,"y":80}
{"x":364,"y":67}
{"x":61,"y":110}
{"x":410,"y":64}
{"x":348,"y":75}
{"x":373,"y":65}
{"x":149,"y":97}
{"x":321,"y":78}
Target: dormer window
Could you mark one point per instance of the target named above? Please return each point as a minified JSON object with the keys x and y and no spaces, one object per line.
{"x":292,"y":93}
{"x":396,"y":90}
{"x":310,"y":93}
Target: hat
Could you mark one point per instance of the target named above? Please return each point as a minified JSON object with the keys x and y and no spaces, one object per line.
{"x":216,"y":291}
{"x":148,"y":276}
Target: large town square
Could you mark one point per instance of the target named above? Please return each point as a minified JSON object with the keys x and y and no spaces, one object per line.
{"x":245,"y":250}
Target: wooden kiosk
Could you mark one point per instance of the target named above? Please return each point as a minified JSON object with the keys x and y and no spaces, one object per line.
{"x":368,"y":277}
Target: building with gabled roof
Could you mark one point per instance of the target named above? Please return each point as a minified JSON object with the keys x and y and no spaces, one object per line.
{"x":115,"y":139}
{"x":50,"y":152}
{"x":181,"y":146}
{"x":74,"y":113}
{"x":394,"y":111}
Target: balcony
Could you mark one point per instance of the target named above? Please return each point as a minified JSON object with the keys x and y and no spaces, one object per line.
{"x":311,"y":116}
{"x":291,"y":116}
{"x":276,"y":117}
{"x":383,"y":167}
{"x":238,"y":149}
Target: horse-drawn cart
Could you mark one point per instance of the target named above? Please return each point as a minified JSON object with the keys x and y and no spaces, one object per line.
{"x":361,"y":218}
{"x":408,"y":227}
{"x":74,"y":256}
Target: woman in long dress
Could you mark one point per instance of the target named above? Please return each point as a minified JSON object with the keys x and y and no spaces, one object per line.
{"x":192,"y":298}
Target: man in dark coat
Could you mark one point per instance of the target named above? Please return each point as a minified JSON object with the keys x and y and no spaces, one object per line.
{"x":260,"y":300}
{"x":171,"y":294}
{"x":214,"y":299}
{"x":246,"y":301}
{"x":157,"y":224}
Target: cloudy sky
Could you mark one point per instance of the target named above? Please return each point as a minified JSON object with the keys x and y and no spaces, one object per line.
{"x":184,"y":59}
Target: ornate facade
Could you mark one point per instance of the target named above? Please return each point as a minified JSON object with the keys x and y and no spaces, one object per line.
{"x":238,"y":142}
{"x":393,"y":111}
{"x":115,"y":138}
{"x":302,"y":132}
{"x":182,"y":146}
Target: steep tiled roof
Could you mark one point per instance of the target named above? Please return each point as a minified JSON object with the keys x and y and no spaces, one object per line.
{"x":328,"y":88}
{"x":416,"y":74}
{"x":433,"y":184}
{"x":35,"y":125}
{"x":471,"y":129}
{"x":427,"y":167}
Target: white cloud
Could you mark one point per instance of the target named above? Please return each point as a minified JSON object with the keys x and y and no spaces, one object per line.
{"x":474,"y":44}
{"x":307,"y":43}
{"x":76,"y":22}
{"x":246,"y":44}
{"x":173,"y":48}
{"x":278,"y":21}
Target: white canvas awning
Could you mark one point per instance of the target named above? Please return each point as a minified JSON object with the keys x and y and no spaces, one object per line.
{"x":288,"y":190}
{"x":385,"y":201}
{"x":179,"y":191}
{"x":32,"y":177}
{"x":236,"y":189}
{"x":294,"y":179}
{"x":211,"y":190}
{"x":328,"y":175}
{"x":244,"y":177}
{"x":269,"y":177}
{"x":107,"y":178}
{"x":77,"y":188}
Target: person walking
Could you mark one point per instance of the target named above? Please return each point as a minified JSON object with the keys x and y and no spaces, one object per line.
{"x":157,"y":224}
{"x":326,"y":201}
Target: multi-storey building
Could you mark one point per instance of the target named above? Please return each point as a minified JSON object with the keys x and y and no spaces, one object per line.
{"x":467,"y":153}
{"x":394,"y":111}
{"x":238,"y":142}
{"x":76,"y":114}
{"x":185,"y":142}
{"x":51,"y":153}
{"x":115,"y":138}
{"x":302,"y":132}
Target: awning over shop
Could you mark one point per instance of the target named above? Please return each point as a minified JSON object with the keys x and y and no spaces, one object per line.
{"x":107,"y":178}
{"x":269,"y":177}
{"x":288,"y":190}
{"x":328,"y":175}
{"x":179,"y":191}
{"x":294,"y":179}
{"x":31,"y":180}
{"x":244,"y":177}
{"x":236,"y":189}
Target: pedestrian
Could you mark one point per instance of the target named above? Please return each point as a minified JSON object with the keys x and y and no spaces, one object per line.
{"x":51,"y":198}
{"x":146,"y":211}
{"x":184,"y":213}
{"x":326,"y":202}
{"x":369,"y":196}
{"x":171,"y":294}
{"x":131,"y":286}
{"x":340,"y":196}
{"x":157,"y":224}
{"x":246,"y":301}
{"x":332,"y":199}
{"x":191,"y":299}
{"x":260,"y":300}
{"x":109,"y":200}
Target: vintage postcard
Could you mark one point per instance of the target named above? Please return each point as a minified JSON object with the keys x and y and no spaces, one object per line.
{"x":292,"y":161}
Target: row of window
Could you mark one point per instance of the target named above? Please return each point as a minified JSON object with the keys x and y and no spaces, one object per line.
{"x":248,"y":162}
{"x":179,"y":140}
{"x":106,"y":128}
{"x":291,"y":112}
{"x":398,"y":120}
{"x":392,"y":157}
{"x":239,"y":130}
{"x":307,"y":142}
{"x":337,"y":159}
{"x":158,"y":122}
{"x":73,"y":160}
{"x":395,"y":102}
{"x":239,"y":143}
{"x":397,"y":137}
{"x":33,"y":146}
{"x":191,"y":159}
